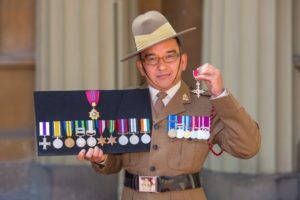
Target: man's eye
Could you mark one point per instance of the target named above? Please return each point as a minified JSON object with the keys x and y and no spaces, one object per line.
{"x":170,"y":57}
{"x":151,"y":58}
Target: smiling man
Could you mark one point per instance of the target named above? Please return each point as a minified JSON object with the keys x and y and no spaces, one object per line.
{"x":171,"y":169}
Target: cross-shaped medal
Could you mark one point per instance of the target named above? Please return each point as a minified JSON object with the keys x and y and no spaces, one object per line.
{"x":44,"y":143}
{"x":198,"y":89}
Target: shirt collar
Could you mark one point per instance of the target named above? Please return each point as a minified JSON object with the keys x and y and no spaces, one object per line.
{"x":170,"y":93}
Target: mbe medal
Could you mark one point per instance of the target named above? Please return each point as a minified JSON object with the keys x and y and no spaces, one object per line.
{"x":122,"y":130}
{"x":145,"y":128}
{"x":44,"y":130}
{"x":133,"y":139}
{"x":101,"y":126}
{"x":198,"y":90}
{"x":93,"y":99}
{"x":91,"y":131}
{"x":57,"y":130}
{"x":69,"y":126}
{"x":80,"y":132}
{"x":172,"y":121}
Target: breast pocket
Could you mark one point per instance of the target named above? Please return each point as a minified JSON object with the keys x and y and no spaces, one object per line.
{"x":187,"y":155}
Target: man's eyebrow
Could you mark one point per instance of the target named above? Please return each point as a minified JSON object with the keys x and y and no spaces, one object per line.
{"x":169,"y":51}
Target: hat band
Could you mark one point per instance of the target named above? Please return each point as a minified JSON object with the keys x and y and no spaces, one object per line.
{"x":163,"y":32}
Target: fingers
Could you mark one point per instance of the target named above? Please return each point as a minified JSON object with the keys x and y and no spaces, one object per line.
{"x":93,"y":155}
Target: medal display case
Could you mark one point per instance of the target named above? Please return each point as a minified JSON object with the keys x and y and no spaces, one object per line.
{"x":117,"y":121}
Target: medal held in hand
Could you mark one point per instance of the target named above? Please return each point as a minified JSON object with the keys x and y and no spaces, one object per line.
{"x":93,"y":99}
{"x":198,"y":90}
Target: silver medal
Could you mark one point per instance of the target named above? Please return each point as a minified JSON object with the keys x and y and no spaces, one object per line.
{"x":172,"y":133}
{"x":58,"y":143}
{"x":146,"y":138}
{"x":134,"y":139}
{"x":180,"y":133}
{"x":123,"y":140}
{"x":194,"y":134}
{"x":91,"y":141}
{"x":206,"y":134}
{"x":80,"y":142}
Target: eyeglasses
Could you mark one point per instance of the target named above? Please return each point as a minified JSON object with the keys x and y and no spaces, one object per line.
{"x":154,"y":60}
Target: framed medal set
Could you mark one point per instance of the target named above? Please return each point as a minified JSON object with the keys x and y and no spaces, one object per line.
{"x":117,"y":121}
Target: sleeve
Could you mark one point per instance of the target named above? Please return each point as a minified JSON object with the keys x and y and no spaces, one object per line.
{"x":233,"y":129}
{"x":113,"y":164}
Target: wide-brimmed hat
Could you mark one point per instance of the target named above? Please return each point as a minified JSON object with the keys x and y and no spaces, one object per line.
{"x":151,"y":28}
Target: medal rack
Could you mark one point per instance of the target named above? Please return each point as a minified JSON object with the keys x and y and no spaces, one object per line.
{"x":122,"y":123}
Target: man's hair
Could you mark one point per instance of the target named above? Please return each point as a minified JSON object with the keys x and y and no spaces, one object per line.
{"x":178,"y":43}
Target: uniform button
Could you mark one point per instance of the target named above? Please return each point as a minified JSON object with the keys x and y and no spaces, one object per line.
{"x":155,"y":146}
{"x":156,"y":126}
{"x":152,"y":168}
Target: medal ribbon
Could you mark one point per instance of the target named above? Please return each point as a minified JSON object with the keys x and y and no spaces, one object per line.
{"x":122,"y":126}
{"x":198,"y":122}
{"x":132,"y":126}
{"x":44,"y":128}
{"x":101,"y":126}
{"x":90,"y":125}
{"x":79,"y":124}
{"x":145,"y":125}
{"x":111,"y":124}
{"x":206,"y":123}
{"x":187,"y":123}
{"x":193,"y":123}
{"x":172,"y":119}
{"x":180,"y":121}
{"x":56,"y":129}
{"x":93,"y":97}
{"x":68,"y":126}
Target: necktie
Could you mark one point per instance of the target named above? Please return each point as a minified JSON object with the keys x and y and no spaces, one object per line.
{"x":159,"y":105}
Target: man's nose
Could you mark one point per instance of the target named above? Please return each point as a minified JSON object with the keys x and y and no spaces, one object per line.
{"x":161,"y":64}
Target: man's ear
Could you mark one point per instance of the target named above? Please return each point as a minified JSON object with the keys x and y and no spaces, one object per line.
{"x":140,"y":68}
{"x":183,"y":63}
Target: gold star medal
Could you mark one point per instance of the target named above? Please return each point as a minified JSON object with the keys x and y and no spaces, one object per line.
{"x":101,"y":140}
{"x":111,"y":140}
{"x":101,"y":126}
{"x":93,"y":99}
{"x":111,"y":129}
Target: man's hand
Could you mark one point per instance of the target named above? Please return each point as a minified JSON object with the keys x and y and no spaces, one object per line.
{"x":212,"y":78}
{"x":93,"y":154}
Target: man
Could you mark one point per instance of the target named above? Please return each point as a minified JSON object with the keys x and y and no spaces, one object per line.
{"x":170,"y":170}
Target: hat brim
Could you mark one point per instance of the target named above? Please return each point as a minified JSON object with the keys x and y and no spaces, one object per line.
{"x":131,"y":55}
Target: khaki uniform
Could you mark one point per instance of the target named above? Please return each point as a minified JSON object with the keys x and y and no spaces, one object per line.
{"x":233,"y":130}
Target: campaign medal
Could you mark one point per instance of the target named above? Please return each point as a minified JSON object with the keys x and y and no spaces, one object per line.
{"x":91,"y":131}
{"x":122,"y":130}
{"x":101,"y":126}
{"x":193,"y":127}
{"x":172,"y":120}
{"x":132,"y":126}
{"x":187,"y":124}
{"x":80,"y":133}
{"x":206,"y":127}
{"x":57,"y":142}
{"x":199,"y":130}
{"x":145,"y":128}
{"x":68,"y":126}
{"x":198,"y":90}
{"x":111,"y":125}
{"x":180,"y":127}
{"x":44,"y":130}
{"x":93,"y":99}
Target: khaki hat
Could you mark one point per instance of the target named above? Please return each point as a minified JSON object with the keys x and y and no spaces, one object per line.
{"x":151,"y":28}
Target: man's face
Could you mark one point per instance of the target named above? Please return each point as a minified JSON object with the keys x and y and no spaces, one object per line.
{"x":161,"y":63}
